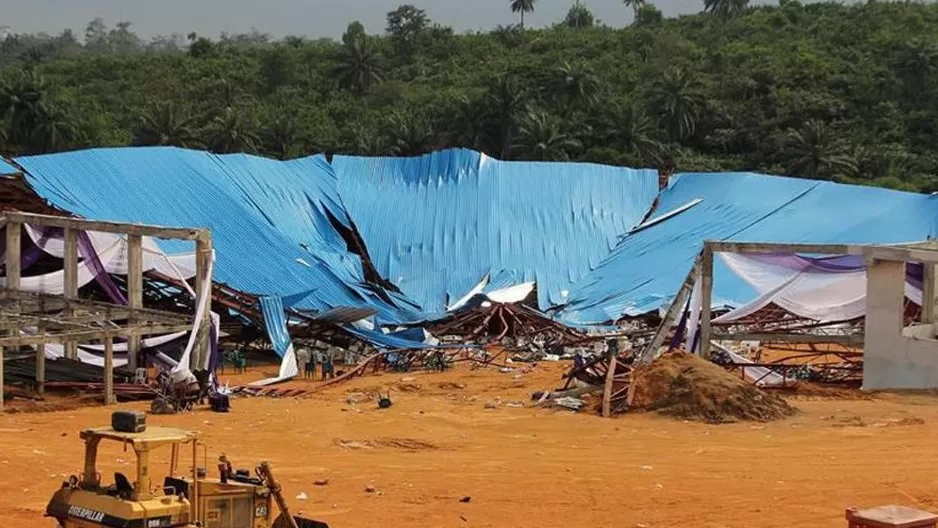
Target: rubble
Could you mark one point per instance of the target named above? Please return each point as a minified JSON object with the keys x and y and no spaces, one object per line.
{"x":689,"y":387}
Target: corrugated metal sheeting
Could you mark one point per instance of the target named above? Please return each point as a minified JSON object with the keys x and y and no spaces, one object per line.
{"x":649,"y":265}
{"x":437,"y":225}
{"x":267,"y":218}
{"x":6,"y":168}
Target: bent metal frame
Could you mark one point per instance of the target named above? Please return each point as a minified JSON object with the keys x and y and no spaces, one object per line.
{"x":66,"y":319}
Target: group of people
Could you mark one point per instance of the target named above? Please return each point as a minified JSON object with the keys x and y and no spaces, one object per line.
{"x":309,"y":361}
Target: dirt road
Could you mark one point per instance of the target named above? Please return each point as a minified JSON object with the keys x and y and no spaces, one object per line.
{"x":523,"y":467}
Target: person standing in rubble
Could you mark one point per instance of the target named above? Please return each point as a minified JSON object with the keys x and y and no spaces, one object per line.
{"x":302,"y":361}
{"x":328,"y":369}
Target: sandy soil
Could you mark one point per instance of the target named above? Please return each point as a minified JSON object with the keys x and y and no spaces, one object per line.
{"x":523,"y":467}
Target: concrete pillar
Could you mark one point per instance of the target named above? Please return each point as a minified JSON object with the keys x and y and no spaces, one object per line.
{"x":885,"y":298}
{"x":71,"y":280}
{"x":203,"y":287}
{"x":109,"y":371}
{"x":706,"y":295}
{"x":134,"y":293}
{"x":13,"y":237}
{"x":41,"y":363}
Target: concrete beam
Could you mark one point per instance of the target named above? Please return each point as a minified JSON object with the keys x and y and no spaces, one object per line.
{"x":91,"y":335}
{"x":768,"y":337}
{"x":719,"y":246}
{"x":117,"y":228}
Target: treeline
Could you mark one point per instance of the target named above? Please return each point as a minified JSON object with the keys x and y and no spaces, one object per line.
{"x":820,"y":90}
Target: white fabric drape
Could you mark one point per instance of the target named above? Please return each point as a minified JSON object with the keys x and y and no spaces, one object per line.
{"x":112,"y":252}
{"x":821,"y":296}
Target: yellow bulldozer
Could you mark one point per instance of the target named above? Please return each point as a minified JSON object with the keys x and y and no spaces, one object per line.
{"x":235,"y":499}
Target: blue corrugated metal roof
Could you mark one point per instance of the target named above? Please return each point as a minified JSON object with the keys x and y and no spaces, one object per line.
{"x":260,"y":212}
{"x":6,"y":168}
{"x":436,"y":225}
{"x":648,"y":266}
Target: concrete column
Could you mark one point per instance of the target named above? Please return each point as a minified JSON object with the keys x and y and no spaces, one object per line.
{"x":13,"y":237}
{"x":41,"y":363}
{"x":134,"y":292}
{"x":71,"y":280}
{"x":203,"y":287}
{"x":885,"y":297}
{"x":109,"y":371}
{"x":706,"y":295}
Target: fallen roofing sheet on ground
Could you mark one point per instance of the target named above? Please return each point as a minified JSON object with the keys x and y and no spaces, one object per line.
{"x":437,"y":225}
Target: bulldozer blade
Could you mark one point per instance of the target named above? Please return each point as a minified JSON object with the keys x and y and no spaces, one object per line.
{"x":301,"y":522}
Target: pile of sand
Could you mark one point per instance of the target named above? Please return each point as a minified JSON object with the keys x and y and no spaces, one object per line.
{"x":686,"y":386}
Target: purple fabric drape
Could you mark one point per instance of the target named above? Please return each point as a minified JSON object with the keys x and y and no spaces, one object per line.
{"x":28,"y":257}
{"x":831,"y":264}
{"x":679,"y":331}
{"x":86,"y":249}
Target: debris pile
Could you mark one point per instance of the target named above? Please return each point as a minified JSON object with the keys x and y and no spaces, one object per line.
{"x":685,"y":386}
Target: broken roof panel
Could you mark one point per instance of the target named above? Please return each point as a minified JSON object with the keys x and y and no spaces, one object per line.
{"x":648,"y":266}
{"x":267,"y":217}
{"x":436,"y":225}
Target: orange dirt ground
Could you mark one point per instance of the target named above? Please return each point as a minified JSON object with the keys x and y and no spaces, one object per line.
{"x":522,"y":467}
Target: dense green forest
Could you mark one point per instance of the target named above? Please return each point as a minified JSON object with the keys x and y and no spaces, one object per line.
{"x":820,"y":90}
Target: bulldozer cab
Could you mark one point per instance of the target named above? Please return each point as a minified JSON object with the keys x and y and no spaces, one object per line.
{"x":141,"y":488}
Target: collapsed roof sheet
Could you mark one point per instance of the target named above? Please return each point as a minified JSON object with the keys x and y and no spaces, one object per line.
{"x":7,"y":168}
{"x":268,"y":218}
{"x":437,"y":225}
{"x":648,"y":266}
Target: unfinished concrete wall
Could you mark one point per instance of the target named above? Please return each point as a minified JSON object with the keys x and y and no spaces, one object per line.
{"x":893,"y":360}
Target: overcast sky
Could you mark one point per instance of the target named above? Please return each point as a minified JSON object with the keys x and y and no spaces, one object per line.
{"x":312,"y":18}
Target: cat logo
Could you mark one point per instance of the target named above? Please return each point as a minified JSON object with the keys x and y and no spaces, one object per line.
{"x":86,"y":514}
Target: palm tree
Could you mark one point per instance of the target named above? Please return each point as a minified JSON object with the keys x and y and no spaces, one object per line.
{"x":165,"y":123}
{"x":368,"y":143}
{"x":579,"y":16}
{"x":541,"y":137}
{"x":22,"y":99}
{"x":633,"y":131}
{"x":677,"y":98}
{"x":636,"y":6}
{"x":230,"y":131}
{"x":361,"y":65}
{"x":281,"y":137}
{"x":409,"y":135}
{"x":725,"y":8}
{"x":522,"y":6}
{"x":815,"y":151}
{"x":504,"y":99}
{"x":465,"y":123}
{"x":577,"y":83}
{"x":56,"y":130}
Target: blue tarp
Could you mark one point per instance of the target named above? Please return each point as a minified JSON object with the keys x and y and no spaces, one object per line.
{"x":647,"y":267}
{"x":436,"y":225}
